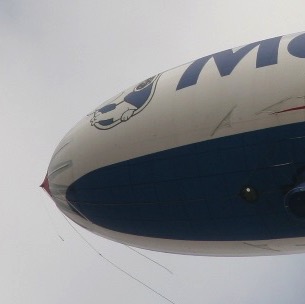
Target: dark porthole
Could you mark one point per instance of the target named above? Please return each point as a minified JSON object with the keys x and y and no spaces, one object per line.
{"x":295,"y":202}
{"x":249,"y":194}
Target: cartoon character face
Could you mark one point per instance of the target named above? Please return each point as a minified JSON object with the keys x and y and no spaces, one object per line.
{"x":124,"y":106}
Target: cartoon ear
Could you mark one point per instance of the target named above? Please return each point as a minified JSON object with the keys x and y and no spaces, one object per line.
{"x":105,"y":122}
{"x":107,"y":108}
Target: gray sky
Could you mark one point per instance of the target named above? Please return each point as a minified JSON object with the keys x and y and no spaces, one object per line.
{"x":59,"y":59}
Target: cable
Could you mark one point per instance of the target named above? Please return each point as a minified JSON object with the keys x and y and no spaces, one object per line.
{"x":116,"y":266}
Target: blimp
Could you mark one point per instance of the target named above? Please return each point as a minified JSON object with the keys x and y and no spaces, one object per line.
{"x":204,"y":159}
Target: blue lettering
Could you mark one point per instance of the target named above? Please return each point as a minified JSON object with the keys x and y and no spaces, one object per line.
{"x":190,"y":76}
{"x":296,"y":46}
{"x":226,"y":61}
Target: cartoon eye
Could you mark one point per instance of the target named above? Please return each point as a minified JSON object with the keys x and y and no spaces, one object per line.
{"x":144,"y":84}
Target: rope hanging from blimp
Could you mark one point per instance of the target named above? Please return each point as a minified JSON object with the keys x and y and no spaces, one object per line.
{"x":129,"y":247}
{"x":52,"y":222}
{"x":116,"y":266}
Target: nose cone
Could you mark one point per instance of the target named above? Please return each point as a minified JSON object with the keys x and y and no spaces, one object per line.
{"x":45,"y":185}
{"x":60,"y":176}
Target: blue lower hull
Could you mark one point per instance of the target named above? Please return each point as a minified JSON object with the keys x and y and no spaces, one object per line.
{"x":193,"y":192}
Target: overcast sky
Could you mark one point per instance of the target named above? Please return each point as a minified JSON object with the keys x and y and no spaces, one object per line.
{"x":58,"y":60}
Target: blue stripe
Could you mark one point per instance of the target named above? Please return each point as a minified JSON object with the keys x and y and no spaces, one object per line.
{"x":193,"y":192}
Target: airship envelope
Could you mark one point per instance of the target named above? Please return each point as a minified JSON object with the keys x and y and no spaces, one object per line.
{"x":204,"y":159}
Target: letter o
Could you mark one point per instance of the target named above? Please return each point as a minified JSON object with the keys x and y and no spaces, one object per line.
{"x":296,"y":46}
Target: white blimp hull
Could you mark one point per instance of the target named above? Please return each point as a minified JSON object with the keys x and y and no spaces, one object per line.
{"x":203,"y":159}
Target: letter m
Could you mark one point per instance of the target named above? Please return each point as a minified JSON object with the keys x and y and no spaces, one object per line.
{"x":226,"y":61}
